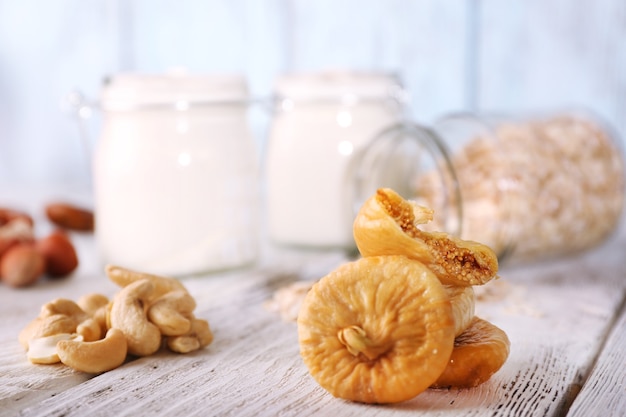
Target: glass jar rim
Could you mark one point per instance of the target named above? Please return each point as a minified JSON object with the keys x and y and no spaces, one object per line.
{"x":426,"y":141}
{"x":172,"y":91}
{"x":339,"y":87}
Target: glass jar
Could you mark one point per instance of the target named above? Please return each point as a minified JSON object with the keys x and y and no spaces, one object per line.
{"x":530,"y":187}
{"x":175,"y":174}
{"x":321,"y":121}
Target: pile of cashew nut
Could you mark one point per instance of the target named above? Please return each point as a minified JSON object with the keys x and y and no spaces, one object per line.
{"x":95,"y":334}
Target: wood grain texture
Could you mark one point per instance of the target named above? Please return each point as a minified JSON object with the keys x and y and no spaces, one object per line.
{"x":557,"y":315}
{"x":546,"y":55}
{"x":470,"y":55}
{"x":47,"y":50}
{"x":605,"y":389}
{"x":423,"y":42}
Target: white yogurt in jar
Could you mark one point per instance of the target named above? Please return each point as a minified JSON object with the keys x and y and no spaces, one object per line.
{"x":322,"y":121}
{"x":175,"y":174}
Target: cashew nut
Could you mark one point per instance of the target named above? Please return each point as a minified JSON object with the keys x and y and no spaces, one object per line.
{"x":128,"y":314}
{"x":60,"y":316}
{"x":43,"y":350}
{"x":95,"y":305}
{"x":54,"y":324}
{"x":198,"y":337}
{"x":26,"y":334}
{"x":90,"y":330}
{"x":65,"y":307}
{"x":172,"y":313}
{"x":96,"y":334}
{"x":107,"y":315}
{"x":94,"y":357}
{"x":76,"y":320}
{"x":162,"y":285}
{"x":46,"y":326}
{"x":91,"y":303}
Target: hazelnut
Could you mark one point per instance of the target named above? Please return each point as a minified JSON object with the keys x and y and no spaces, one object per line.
{"x":8,"y":214}
{"x":22,"y":265}
{"x":13,"y":231}
{"x":59,"y":253}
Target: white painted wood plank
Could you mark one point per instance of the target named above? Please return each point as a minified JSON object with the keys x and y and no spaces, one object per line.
{"x":49,"y":49}
{"x":215,"y":36}
{"x":201,"y":36}
{"x":424,"y":42}
{"x":546,"y":55}
{"x":556,"y":315}
{"x":532,"y":55}
{"x":605,"y":389}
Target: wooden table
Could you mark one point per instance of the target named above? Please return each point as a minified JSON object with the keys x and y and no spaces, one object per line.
{"x":565,"y":320}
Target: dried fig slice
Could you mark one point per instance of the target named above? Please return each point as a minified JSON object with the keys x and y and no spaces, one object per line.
{"x":376,"y":330}
{"x":479,"y":352}
{"x":387,"y":225}
{"x":463,"y":302}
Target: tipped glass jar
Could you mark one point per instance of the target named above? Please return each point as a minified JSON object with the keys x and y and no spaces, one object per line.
{"x":530,"y":187}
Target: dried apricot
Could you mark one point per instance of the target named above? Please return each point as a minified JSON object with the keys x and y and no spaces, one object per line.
{"x":479,"y":352}
{"x":376,"y":330}
{"x":387,"y":225}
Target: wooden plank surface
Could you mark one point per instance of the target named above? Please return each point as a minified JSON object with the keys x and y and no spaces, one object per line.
{"x":423,"y":42}
{"x":549,"y":55}
{"x":556,"y":314}
{"x":453,"y":55}
{"x":605,"y":389}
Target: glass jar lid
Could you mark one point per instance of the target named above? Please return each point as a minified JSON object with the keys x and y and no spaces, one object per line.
{"x":176,"y":89}
{"x":347,"y":87}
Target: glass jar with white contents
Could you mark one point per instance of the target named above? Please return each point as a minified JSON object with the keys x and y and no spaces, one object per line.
{"x":175,"y":174}
{"x":531,"y":187}
{"x":321,"y":121}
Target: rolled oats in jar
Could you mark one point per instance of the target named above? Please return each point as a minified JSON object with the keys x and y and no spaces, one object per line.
{"x":531,"y":188}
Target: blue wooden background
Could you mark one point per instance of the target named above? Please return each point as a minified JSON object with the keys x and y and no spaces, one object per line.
{"x":452,"y":55}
